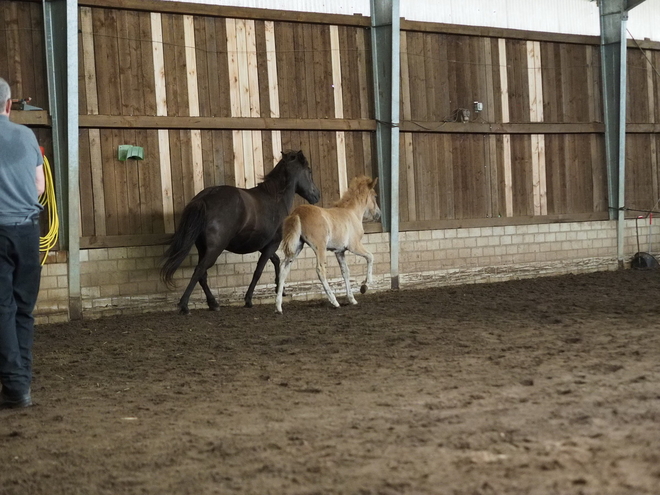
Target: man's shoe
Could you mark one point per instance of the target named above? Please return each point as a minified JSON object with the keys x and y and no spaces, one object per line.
{"x":17,"y":402}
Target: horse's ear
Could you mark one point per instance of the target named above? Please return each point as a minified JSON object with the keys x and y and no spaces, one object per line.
{"x":300,"y":156}
{"x":373,"y":183}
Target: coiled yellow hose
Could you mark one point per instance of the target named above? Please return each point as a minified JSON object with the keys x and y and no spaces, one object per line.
{"x":47,"y":199}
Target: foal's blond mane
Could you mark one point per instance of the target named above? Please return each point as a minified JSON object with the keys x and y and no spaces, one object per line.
{"x":357,"y":192}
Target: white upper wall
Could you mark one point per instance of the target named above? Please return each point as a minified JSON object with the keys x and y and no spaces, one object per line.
{"x":557,"y":16}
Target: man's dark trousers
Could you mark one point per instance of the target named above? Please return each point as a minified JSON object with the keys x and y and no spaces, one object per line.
{"x":20,"y":273}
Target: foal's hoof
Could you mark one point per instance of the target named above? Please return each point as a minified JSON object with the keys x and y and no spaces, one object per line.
{"x":363,"y":289}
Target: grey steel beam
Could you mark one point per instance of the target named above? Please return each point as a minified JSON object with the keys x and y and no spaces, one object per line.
{"x":61,"y":33}
{"x":385,"y":47}
{"x":613,"y":50}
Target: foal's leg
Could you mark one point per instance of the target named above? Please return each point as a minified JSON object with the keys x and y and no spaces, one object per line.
{"x":210,"y":298}
{"x":321,"y":272}
{"x":284,"y":273}
{"x":266,"y":254}
{"x":360,"y":250}
{"x":341,"y":259}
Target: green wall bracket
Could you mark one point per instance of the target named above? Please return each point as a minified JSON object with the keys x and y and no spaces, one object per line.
{"x":127,"y":151}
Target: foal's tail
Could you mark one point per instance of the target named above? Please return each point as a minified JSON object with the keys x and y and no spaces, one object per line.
{"x":193,"y":221}
{"x":291,"y":231}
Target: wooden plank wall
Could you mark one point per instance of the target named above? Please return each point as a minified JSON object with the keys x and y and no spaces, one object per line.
{"x":162,"y":64}
{"x":496,"y":164}
{"x":214,"y":94}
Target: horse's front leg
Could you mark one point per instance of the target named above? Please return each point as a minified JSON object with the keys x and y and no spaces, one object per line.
{"x":275,"y":260}
{"x":266,"y":254}
{"x":341,"y":259}
{"x":360,"y":250}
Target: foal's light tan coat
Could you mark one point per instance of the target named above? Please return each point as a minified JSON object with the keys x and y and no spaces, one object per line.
{"x":338,"y":229}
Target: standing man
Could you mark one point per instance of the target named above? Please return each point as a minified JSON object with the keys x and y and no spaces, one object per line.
{"x":21,"y":183}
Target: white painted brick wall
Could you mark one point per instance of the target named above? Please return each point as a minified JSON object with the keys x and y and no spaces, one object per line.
{"x":127,"y":280}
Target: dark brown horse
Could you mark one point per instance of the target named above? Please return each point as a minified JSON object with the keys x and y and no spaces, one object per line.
{"x":240,"y":221}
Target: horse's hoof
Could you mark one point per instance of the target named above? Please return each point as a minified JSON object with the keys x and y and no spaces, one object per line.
{"x":353,"y":302}
{"x":363,"y":289}
{"x":184,"y":311}
{"x":248,"y":304}
{"x":214,"y":308}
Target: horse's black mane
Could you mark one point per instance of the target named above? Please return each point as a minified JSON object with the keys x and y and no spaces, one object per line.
{"x":276,"y":180}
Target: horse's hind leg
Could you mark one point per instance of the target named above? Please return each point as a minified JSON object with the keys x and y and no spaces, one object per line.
{"x":200,"y":271}
{"x":341,"y":259}
{"x":267,"y":253}
{"x":203,"y":282}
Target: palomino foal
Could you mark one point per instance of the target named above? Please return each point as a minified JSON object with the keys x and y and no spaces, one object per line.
{"x":338,"y":229}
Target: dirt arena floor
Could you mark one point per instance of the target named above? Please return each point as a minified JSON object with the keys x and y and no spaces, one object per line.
{"x":546,"y":386}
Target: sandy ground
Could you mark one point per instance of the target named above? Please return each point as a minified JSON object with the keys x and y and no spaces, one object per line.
{"x":546,"y":386}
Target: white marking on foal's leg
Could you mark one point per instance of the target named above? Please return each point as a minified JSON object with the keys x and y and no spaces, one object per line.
{"x":341,"y":259}
{"x":284,"y":272}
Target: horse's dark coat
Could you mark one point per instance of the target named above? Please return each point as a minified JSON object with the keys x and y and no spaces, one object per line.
{"x":240,"y":221}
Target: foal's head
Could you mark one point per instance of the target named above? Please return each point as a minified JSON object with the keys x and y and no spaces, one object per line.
{"x":362,"y":192}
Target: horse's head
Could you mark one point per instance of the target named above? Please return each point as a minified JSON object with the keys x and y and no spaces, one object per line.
{"x":302,"y":172}
{"x":372,"y":213}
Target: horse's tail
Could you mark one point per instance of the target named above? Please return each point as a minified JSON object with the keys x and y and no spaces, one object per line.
{"x":291,"y":231}
{"x":193,"y":221}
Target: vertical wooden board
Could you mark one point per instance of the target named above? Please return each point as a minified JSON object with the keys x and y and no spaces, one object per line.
{"x":521,"y":180}
{"x":208,"y":158}
{"x":416,"y":71}
{"x":350,"y":81}
{"x":285,"y":66}
{"x":233,"y":68}
{"x":243,"y":72}
{"x":189,"y":179}
{"x":218,"y":67}
{"x":270,"y":158}
{"x":599,"y":177}
{"x":202,"y":54}
{"x":637,"y":92}
{"x":132,"y":182}
{"x":429,"y":40}
{"x":109,"y":186}
{"x":409,"y":176}
{"x":84,"y":32}
{"x":273,"y":107}
{"x":579,"y":89}
{"x":404,"y":83}
{"x":106,"y":59}
{"x":146,"y":65}
{"x":518,"y":81}
{"x":173,"y":55}
{"x":553,"y":174}
{"x":328,"y":158}
{"x":140,"y":190}
{"x":300,"y":80}
{"x":364,"y":73}
{"x":262,"y":67}
{"x":487,"y":82}
{"x":404,"y":214}
{"x":85,"y":184}
{"x":322,"y":72}
{"x":178,"y":173}
{"x":27,"y":55}
{"x":503,"y":80}
{"x":14,"y":65}
{"x":441,"y":75}
{"x":152,"y":198}
{"x":225,"y":138}
{"x":128,"y":32}
{"x":38,"y":56}
{"x":492,"y":176}
{"x":118,"y":175}
{"x":550,"y":72}
{"x":571,"y":164}
{"x":476,"y":65}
